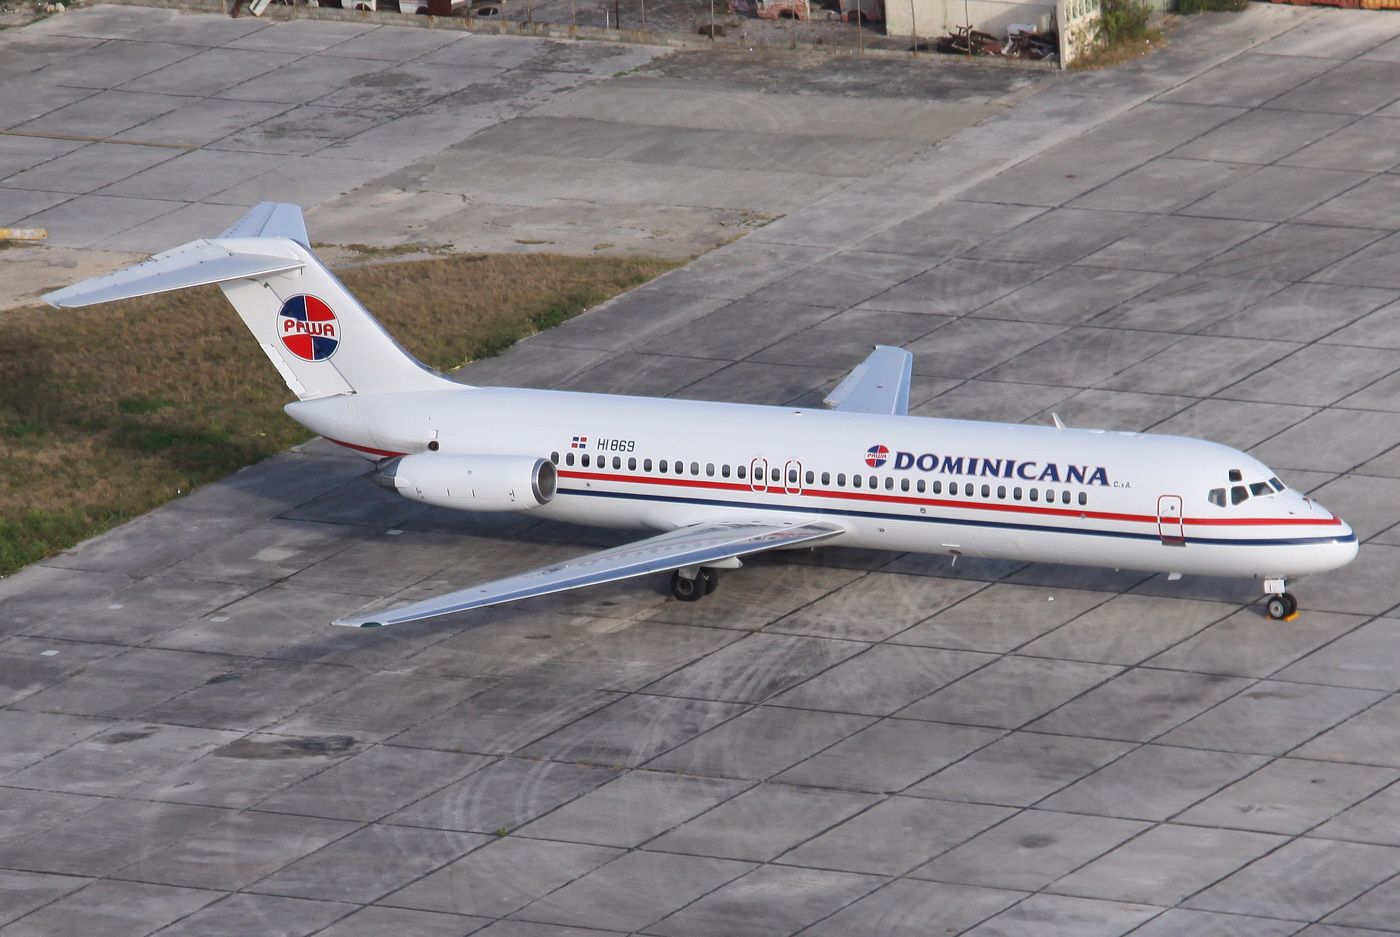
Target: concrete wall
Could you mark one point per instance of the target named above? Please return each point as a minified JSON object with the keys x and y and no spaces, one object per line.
{"x":930,"y":18}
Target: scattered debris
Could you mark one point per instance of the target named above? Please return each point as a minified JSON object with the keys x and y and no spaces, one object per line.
{"x":1021,"y":43}
{"x":1031,"y":44}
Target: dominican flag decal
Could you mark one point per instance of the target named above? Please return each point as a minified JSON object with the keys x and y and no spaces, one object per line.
{"x":580,"y":442}
{"x":308,"y":328}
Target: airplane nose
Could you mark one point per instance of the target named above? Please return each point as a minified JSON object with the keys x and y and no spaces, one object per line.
{"x":1347,"y":543}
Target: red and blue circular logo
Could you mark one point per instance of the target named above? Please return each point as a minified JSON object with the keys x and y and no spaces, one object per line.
{"x":308,"y":328}
{"x":875,"y":456}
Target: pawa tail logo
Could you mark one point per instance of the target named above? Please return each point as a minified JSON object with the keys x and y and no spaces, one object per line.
{"x":308,"y":328}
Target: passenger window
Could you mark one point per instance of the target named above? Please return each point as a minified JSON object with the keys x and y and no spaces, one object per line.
{"x":904,"y":484}
{"x":938,"y":488}
{"x":1260,"y":488}
{"x":1016,"y":494}
{"x":1035,"y":494}
{"x":1217,"y":497}
{"x":631,"y":464}
{"x":663,"y":466}
{"x":1064,"y":497}
{"x":919,"y":486}
{"x":554,"y":457}
{"x":568,"y":458}
{"x":775,"y":476}
{"x":724,"y":471}
{"x":811,"y":477}
{"x":1049,"y":496}
{"x":952,"y":488}
{"x":695,"y":469}
{"x":1238,"y":493}
{"x":986,"y":491}
{"x":709,"y":470}
{"x":679,"y":466}
{"x":1083,"y":499}
{"x":826,"y":478}
{"x":739,"y":470}
{"x":874,"y":482}
{"x":792,"y":476}
{"x":841,"y":480}
{"x":889,"y":483}
{"x":584,"y":460}
{"x":617,"y":462}
{"x":855,"y":481}
{"x":1001,"y":492}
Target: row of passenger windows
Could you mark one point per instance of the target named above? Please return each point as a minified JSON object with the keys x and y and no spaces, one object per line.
{"x":840,"y":479}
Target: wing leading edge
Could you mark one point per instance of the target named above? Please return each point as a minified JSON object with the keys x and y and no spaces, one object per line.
{"x":698,"y":545}
{"x":879,"y":384}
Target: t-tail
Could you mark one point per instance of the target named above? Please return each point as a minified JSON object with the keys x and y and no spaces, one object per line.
{"x":317,"y":335}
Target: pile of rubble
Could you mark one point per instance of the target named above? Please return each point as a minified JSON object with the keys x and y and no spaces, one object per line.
{"x":1020,"y":43}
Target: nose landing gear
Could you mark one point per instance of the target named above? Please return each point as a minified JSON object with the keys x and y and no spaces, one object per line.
{"x":1281,"y":605}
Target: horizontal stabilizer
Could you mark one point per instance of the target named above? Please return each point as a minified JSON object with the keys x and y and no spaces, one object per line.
{"x":700,"y":545}
{"x":194,"y":264}
{"x":271,"y":220}
{"x":879,"y":384}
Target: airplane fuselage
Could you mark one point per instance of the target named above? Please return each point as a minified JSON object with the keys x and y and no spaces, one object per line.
{"x":1009,"y":491}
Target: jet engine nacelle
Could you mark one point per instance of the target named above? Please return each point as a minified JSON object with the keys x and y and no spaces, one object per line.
{"x":471,"y":482}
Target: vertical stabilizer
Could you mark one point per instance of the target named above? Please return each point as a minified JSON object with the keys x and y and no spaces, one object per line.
{"x":317,"y":335}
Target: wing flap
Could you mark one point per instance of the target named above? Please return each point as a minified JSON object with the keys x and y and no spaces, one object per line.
{"x":689,"y":546}
{"x":879,"y":384}
{"x":193,"y":264}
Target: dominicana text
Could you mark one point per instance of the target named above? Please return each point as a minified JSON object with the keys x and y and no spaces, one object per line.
{"x":1002,"y":468}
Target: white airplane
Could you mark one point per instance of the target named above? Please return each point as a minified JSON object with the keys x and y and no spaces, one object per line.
{"x":722,"y":481}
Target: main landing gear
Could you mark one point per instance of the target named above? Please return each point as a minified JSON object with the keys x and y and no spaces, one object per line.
{"x":1281,"y":605}
{"x":692,"y":583}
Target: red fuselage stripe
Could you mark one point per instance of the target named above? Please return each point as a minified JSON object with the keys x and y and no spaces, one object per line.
{"x":369,"y":449}
{"x":776,"y":488}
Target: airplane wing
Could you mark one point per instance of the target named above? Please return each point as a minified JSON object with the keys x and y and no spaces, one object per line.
{"x":698,"y":545}
{"x":879,"y":384}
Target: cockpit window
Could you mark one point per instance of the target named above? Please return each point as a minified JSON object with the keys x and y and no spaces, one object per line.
{"x":1278,"y":485}
{"x":1236,"y":475}
{"x":1258,"y":489}
{"x":1238,"y":493}
{"x":1217,"y":497}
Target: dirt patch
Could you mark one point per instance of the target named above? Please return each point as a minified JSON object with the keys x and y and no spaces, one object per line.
{"x":270,"y":749}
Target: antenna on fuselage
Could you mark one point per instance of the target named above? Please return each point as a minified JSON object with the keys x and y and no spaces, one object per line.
{"x":1059,"y":423}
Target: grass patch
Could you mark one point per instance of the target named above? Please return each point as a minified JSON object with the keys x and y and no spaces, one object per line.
{"x":109,"y":411}
{"x":1124,"y":21}
{"x":1188,"y":7}
{"x":1125,"y":32}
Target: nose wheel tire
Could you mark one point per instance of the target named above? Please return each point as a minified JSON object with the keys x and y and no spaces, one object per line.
{"x":1281,"y":606}
{"x":693,"y":590}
